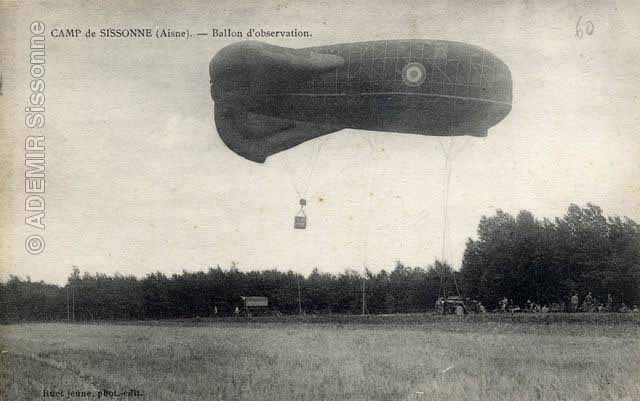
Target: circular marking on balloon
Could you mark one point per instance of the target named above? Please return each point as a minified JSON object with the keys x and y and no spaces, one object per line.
{"x":414,"y":74}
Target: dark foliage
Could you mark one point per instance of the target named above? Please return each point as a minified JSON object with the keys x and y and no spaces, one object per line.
{"x":202,"y":294}
{"x":521,"y":258}
{"x":524,"y":258}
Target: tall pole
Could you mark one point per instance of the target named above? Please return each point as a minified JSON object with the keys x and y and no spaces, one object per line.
{"x":299,"y":297}
{"x":363,"y":298}
{"x":68,"y":311}
{"x":73,"y":303}
{"x":73,"y":294}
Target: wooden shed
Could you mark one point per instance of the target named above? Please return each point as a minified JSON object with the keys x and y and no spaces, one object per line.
{"x":255,"y":305}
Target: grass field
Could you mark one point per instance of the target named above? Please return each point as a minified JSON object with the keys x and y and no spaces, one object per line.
{"x":341,"y":358}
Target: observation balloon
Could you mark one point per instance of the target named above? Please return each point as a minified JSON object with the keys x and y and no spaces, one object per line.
{"x":269,"y":98}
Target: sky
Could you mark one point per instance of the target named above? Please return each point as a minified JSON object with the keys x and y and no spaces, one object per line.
{"x":138,"y":181}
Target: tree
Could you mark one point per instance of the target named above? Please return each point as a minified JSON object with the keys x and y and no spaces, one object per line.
{"x":524,"y":258}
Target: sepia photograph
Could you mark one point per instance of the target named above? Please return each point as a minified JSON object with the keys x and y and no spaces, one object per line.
{"x":320,"y":200}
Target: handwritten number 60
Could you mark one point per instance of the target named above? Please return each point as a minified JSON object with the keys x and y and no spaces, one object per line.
{"x":588,"y":28}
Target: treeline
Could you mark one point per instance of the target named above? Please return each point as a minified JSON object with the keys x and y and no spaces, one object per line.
{"x":205,"y":293}
{"x":525,"y":258}
{"x":521,"y":258}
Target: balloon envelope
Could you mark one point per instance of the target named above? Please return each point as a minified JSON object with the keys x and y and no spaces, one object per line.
{"x":270,"y":98}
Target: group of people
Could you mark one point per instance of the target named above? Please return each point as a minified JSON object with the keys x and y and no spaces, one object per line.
{"x":589,"y":304}
{"x":507,"y":305}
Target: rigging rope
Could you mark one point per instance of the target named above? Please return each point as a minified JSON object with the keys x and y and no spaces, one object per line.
{"x":365,"y":228}
{"x":365,"y":249}
{"x":307,"y":182}
{"x":450,"y":153}
{"x":300,"y":219}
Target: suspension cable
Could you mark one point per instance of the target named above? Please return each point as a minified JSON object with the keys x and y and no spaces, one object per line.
{"x":450,"y":153}
{"x":302,"y":193}
{"x":365,"y":228}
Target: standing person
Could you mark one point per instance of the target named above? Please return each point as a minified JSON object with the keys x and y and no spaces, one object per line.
{"x":609,"y":305}
{"x":236,"y":312}
{"x":588,"y":302}
{"x":574,"y":302}
{"x":440,"y":306}
{"x":503,"y":304}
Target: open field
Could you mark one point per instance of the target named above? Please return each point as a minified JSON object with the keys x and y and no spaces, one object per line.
{"x":553,"y":357}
